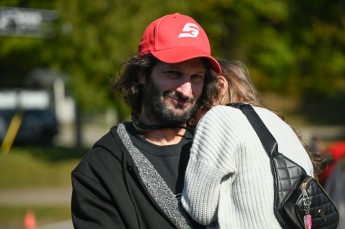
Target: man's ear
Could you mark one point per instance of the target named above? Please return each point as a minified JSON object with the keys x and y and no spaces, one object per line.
{"x":222,"y":85}
{"x":141,"y":78}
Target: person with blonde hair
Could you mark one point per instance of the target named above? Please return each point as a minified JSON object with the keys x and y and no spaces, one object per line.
{"x":228,"y":181}
{"x":235,"y":75}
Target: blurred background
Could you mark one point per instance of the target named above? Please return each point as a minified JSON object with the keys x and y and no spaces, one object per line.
{"x":58,"y":56}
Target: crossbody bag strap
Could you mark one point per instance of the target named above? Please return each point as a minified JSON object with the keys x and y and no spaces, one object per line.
{"x":267,"y":140}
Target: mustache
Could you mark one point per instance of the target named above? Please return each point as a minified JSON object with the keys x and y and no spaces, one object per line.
{"x":178,"y":97}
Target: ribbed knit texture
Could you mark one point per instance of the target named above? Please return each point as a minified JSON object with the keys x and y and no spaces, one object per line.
{"x":228,"y":181}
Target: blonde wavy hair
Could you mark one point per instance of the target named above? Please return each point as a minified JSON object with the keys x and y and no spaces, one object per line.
{"x":241,"y":90}
{"x":240,"y":87}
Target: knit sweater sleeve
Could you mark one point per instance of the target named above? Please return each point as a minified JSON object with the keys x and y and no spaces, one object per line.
{"x":211,"y":163}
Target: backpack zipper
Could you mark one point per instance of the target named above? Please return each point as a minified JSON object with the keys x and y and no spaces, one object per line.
{"x":305,"y":183}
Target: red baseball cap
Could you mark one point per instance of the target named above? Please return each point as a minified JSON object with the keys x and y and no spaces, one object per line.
{"x":175,"y":38}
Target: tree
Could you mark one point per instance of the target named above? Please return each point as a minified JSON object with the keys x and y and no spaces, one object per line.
{"x":291,"y":47}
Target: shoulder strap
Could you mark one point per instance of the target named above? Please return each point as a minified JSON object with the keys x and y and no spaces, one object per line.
{"x":268,"y":141}
{"x":287,"y":174}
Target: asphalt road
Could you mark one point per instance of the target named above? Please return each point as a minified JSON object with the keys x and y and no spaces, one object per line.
{"x":36,"y":197}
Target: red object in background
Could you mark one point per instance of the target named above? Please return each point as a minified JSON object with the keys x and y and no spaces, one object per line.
{"x":30,"y":220}
{"x":336,"y":151}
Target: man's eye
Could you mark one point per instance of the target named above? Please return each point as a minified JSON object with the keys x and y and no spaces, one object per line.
{"x":197,"y":78}
{"x":173,"y":74}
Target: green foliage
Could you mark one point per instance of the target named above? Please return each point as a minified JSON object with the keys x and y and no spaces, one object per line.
{"x":291,"y":47}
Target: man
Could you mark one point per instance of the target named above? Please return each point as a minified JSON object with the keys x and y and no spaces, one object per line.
{"x":133,"y":176}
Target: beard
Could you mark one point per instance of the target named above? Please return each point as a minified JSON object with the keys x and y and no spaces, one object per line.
{"x":159,"y":107}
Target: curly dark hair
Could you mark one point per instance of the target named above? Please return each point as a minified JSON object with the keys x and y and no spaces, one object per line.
{"x":127,"y":85}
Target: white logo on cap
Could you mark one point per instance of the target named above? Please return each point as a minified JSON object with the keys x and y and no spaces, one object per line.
{"x":189,"y":30}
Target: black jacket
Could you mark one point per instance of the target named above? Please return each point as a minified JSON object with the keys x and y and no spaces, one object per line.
{"x":115,"y":186}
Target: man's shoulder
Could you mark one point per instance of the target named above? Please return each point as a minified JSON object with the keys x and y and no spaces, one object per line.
{"x":107,"y":141}
{"x":108,"y":148}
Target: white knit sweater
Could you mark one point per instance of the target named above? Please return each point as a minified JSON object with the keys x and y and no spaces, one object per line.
{"x":229,"y":183}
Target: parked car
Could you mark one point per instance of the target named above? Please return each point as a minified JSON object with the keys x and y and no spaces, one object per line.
{"x":38,"y":126}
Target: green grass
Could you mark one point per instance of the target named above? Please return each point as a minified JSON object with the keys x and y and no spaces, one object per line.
{"x":36,"y":167}
{"x":26,"y":167}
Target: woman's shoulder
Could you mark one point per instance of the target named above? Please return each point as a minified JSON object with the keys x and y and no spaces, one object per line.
{"x":227,"y":111}
{"x":222,"y":116}
{"x":266,"y":113}
{"x":220,"y":109}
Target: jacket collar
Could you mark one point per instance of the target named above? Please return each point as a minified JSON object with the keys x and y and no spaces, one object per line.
{"x":154,"y":183}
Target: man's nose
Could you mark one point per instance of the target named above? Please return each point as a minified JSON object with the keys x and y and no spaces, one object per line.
{"x":185,"y":89}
